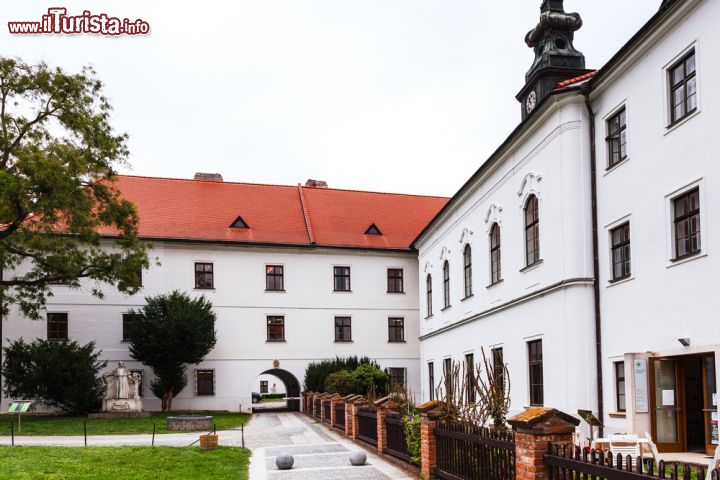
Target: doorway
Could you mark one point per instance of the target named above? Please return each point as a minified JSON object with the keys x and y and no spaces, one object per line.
{"x":290,"y":389}
{"x":684,"y":398}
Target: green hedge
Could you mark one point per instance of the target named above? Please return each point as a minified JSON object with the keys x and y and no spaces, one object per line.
{"x":317,"y":372}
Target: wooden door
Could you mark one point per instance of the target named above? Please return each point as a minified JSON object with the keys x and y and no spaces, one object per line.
{"x":666,"y":391}
{"x":710,"y":394}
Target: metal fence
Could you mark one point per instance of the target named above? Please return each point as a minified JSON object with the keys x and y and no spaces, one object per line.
{"x":571,"y":463}
{"x":339,"y":416}
{"x":317,"y":410}
{"x":367,"y":425}
{"x":395,"y":429}
{"x":326,"y":411}
{"x":469,"y":452}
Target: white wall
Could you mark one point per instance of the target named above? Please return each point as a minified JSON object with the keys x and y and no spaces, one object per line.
{"x":547,"y":162}
{"x":663,"y":300}
{"x":242,"y":304}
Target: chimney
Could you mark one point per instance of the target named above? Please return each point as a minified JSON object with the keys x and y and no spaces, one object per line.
{"x":316,"y":183}
{"x":208,"y":177}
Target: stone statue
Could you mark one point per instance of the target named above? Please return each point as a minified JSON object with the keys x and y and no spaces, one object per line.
{"x":122,"y":390}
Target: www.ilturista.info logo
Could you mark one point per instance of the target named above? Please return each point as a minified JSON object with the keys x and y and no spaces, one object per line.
{"x":57,"y":21}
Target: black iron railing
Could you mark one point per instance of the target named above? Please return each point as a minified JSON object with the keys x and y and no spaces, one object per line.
{"x":469,"y":452}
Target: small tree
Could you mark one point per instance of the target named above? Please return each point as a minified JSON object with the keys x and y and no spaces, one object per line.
{"x":63,"y":375}
{"x":169,"y":333}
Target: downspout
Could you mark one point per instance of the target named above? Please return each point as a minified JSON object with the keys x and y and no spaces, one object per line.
{"x":586,"y":89}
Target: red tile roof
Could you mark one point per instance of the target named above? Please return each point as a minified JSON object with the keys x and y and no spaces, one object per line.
{"x":293,"y":215}
{"x":575,"y":80}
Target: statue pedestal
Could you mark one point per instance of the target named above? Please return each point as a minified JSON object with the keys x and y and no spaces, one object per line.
{"x":120,"y":405}
{"x":111,"y":415}
{"x":122,"y":395}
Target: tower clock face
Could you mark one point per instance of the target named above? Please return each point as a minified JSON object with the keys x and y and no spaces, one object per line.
{"x":530,"y":102}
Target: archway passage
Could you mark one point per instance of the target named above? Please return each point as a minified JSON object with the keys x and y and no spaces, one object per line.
{"x":292,"y":387}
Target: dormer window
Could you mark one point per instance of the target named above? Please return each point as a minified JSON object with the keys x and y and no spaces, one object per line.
{"x":239,"y":223}
{"x":373,"y":230}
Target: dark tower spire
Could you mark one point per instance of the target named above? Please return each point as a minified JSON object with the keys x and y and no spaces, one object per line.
{"x":556,"y":58}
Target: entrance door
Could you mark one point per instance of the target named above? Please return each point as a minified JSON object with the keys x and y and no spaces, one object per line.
{"x":711,"y":405}
{"x":667,"y":421}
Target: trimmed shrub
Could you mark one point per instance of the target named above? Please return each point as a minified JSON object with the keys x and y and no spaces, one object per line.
{"x":62,"y":375}
{"x":361,"y":381}
{"x":317,"y":372}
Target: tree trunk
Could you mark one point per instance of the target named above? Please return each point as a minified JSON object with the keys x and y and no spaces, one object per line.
{"x":167,"y":401}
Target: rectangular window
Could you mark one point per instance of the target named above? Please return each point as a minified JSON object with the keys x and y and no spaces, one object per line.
{"x":275,"y":329}
{"x":683,"y":88}
{"x":620,"y":240}
{"x":617,"y":138}
{"x":204,"y":276}
{"x":431,"y":380}
{"x":498,"y":366}
{"x":263,"y":386}
{"x":205,"y":383}
{"x":396,"y":329}
{"x":395,"y":280}
{"x":342,"y":279}
{"x":127,"y":319}
{"x":141,"y":373}
{"x":138,"y":280}
{"x":447,"y":376}
{"x":429,"y":296}
{"x":397,"y":379}
{"x":620,"y":386}
{"x":343,"y":330}
{"x":57,"y":326}
{"x":535,"y":364}
{"x":470,"y":377}
{"x":275,"y":278}
{"x":687,"y":223}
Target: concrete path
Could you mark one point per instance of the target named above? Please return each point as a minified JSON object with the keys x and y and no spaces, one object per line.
{"x":319,"y":453}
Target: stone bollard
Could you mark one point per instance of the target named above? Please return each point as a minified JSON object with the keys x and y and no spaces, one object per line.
{"x":428,"y":442}
{"x":534,"y":429}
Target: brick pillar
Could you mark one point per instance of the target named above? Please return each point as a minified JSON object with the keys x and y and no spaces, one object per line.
{"x":348,"y":419}
{"x":334,"y":400}
{"x":428,"y":448}
{"x":356,"y":404}
{"x":381,"y":430}
{"x":534,"y":429}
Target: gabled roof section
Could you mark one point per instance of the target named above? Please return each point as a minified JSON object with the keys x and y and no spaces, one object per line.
{"x":197,"y":210}
{"x":373,"y":230}
{"x":239,"y":223}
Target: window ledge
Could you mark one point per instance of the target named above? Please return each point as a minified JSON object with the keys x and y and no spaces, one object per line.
{"x":531,"y":266}
{"x":343,"y":341}
{"x":467,"y":298}
{"x":268,"y":290}
{"x":618,"y":281}
{"x":682,"y":121}
{"x":495,"y":284}
{"x":275,"y":341}
{"x":396,"y":293}
{"x":687,"y":258}
{"x":397,"y":341}
{"x":446,"y":308}
{"x":617,"y":414}
{"x":619,"y":164}
{"x":205,"y":289}
{"x":342,"y":291}
{"x":429,"y":317}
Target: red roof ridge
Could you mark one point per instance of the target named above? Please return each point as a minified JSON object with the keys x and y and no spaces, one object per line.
{"x":278,"y":185}
{"x":306,"y":215}
{"x":575,"y":80}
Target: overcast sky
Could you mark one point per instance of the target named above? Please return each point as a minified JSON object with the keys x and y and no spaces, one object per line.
{"x":388,"y":95}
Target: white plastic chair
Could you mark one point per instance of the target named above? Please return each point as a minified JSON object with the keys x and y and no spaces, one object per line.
{"x":625,"y":445}
{"x":713,"y":464}
{"x":653,"y":448}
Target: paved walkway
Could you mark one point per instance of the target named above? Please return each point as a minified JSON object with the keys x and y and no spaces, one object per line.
{"x":319,"y":453}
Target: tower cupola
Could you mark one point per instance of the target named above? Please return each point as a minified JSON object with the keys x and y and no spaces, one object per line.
{"x":556,"y":58}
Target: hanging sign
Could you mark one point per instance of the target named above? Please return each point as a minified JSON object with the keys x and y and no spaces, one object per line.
{"x":641,"y":386}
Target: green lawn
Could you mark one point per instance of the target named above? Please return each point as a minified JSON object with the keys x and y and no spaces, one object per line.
{"x":121,"y":463}
{"x":272,"y":400}
{"x":58,"y":425}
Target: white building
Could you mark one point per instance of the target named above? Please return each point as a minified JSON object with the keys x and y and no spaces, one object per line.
{"x":643,"y":140}
{"x":295,"y":273}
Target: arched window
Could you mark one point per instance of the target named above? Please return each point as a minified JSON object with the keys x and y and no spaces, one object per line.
{"x":467,"y":267}
{"x":495,"y":272}
{"x":446,"y":283}
{"x":429,"y":295}
{"x":532,"y":231}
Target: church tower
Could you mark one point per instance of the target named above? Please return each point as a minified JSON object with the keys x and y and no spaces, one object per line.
{"x":556,"y":59}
